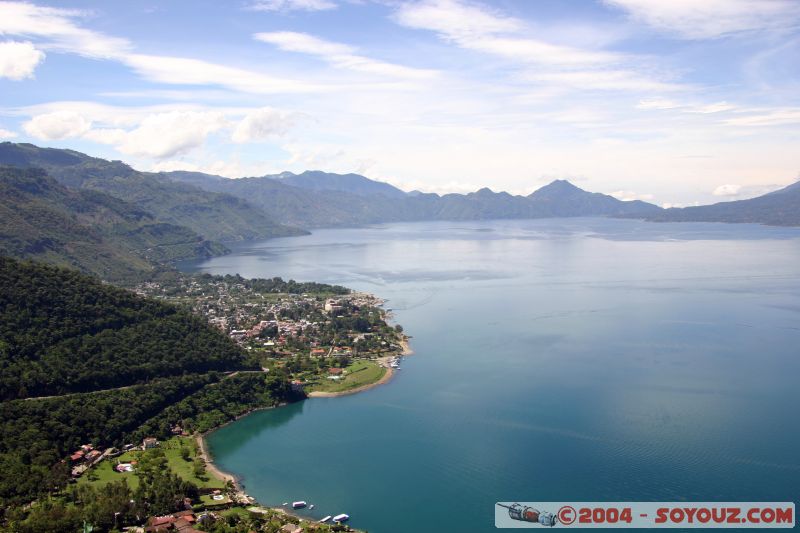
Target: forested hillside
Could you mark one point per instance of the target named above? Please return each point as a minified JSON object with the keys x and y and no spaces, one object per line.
{"x":219,"y":217}
{"x":116,"y":367}
{"x":778,"y":208}
{"x":63,"y":332}
{"x":87,"y":230}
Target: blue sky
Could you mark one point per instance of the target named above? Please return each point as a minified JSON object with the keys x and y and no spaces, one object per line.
{"x":672,"y":101}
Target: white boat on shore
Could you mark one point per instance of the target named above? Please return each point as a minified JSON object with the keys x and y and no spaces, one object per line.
{"x":325,"y":519}
{"x":299,"y":505}
{"x":341,"y":518}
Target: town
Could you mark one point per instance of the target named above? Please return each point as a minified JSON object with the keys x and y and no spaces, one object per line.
{"x":326,"y":338}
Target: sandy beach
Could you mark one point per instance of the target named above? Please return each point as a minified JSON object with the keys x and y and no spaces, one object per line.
{"x":211,"y":468}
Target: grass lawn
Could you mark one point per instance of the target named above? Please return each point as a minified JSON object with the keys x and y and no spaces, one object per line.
{"x":104,"y":472}
{"x":359,"y":373}
{"x":238,"y":511}
{"x":184,"y":468}
{"x":209,"y":501}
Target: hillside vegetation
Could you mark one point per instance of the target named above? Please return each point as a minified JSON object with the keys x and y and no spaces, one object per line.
{"x":87,"y":230}
{"x":63,"y":332}
{"x":779,"y":208}
{"x":218,"y":217}
{"x":119,"y":367}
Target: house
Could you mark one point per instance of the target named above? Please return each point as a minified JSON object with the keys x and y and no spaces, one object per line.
{"x":76,"y":457}
{"x":93,"y":456}
{"x":292,"y":528}
{"x":149,"y":442}
{"x":335,"y":371}
{"x":160,"y":523}
{"x":183,"y":521}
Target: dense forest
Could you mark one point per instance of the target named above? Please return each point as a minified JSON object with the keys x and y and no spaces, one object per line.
{"x":63,"y":332}
{"x":278,"y":285}
{"x":35,"y":435}
{"x":124,"y":367}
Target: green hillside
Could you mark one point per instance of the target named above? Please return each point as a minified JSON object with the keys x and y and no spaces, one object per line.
{"x":87,"y":230}
{"x":63,"y":332}
{"x":215,"y":216}
{"x":85,"y":362}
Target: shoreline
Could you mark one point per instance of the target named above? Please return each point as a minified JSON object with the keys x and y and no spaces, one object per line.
{"x":239,"y":495}
{"x":387,"y":376}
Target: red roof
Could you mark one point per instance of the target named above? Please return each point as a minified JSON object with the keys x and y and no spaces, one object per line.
{"x":334,"y":370}
{"x":161,"y":520}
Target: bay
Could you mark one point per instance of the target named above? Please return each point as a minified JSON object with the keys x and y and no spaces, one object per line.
{"x":563,"y":359}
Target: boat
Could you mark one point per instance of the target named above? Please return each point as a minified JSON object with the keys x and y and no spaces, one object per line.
{"x":325,"y":519}
{"x":341,"y":518}
{"x":299,"y":505}
{"x":311,"y":506}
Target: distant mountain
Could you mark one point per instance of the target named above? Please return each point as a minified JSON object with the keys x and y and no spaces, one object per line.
{"x":563,"y":199}
{"x":316,"y":180}
{"x":86,"y":229}
{"x":228,"y":209}
{"x":215,"y":216}
{"x":778,"y":208}
{"x":309,"y":205}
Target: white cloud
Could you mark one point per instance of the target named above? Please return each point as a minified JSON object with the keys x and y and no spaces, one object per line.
{"x":106,"y":135}
{"x":55,"y":24}
{"x":717,"y":107}
{"x":729,"y":189}
{"x":703,"y":109}
{"x":228,"y":169}
{"x":480,"y":28}
{"x":292,"y":5}
{"x":173,"y":133}
{"x":261,"y":124}
{"x":58,"y":30}
{"x":454,"y":20}
{"x":605,"y":80}
{"x":338,"y":54}
{"x":705,"y":19}
{"x":658,"y":103}
{"x":57,"y":125}
{"x":187,"y":71}
{"x":628,"y":196}
{"x":18,"y":60}
{"x":778,"y":117}
{"x":7,"y":134}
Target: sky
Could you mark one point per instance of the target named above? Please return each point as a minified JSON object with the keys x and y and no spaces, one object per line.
{"x":676,"y":102}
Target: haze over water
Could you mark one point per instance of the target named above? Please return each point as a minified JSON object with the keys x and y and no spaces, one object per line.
{"x":570,"y":359}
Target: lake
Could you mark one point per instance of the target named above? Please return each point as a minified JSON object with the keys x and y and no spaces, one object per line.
{"x":556,"y":360}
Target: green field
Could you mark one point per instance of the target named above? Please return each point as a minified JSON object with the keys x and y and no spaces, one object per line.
{"x":104,"y":472}
{"x":359,"y":373}
{"x":184,"y":468}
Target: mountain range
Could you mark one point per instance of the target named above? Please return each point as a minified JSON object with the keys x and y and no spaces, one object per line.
{"x":319,"y":199}
{"x":214,"y":216}
{"x":87,"y":229}
{"x":107,"y":218}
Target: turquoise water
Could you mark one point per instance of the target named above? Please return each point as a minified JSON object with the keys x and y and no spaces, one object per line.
{"x":583,"y":359}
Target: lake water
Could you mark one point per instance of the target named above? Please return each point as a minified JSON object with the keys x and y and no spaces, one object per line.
{"x":556,"y":360}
